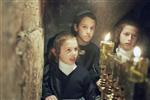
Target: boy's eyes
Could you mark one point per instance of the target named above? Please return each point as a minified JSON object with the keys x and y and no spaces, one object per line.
{"x":69,"y":50}
{"x":84,"y":26}
{"x":89,"y":27}
{"x":126,"y":34}
{"x":92,"y":28}
{"x":76,"y":49}
{"x":134,"y":36}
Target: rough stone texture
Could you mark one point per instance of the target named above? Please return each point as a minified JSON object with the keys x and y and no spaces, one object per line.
{"x":22,"y":44}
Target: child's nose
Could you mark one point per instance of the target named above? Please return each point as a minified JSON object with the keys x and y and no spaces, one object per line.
{"x":88,"y":30}
{"x":129,"y":37}
{"x":74,"y":52}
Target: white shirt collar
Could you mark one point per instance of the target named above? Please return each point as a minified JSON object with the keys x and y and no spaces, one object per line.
{"x":66,"y":68}
{"x":123,"y":54}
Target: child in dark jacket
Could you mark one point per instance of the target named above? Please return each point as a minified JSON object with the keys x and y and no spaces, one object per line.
{"x":64,"y":79}
{"x":84,"y":25}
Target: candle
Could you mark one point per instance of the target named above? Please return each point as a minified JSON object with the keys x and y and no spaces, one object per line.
{"x":138,"y":70}
{"x":106,"y":46}
{"x":137,"y":54}
{"x":107,"y":37}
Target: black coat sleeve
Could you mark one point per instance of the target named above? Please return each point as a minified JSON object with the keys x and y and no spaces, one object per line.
{"x":89,"y":89}
{"x":95,"y":71}
{"x":46,"y":91}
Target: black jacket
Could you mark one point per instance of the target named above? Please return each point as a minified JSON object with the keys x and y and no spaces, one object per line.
{"x":76,"y":85}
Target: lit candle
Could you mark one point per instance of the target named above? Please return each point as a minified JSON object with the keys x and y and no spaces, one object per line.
{"x":106,"y":46}
{"x":138,"y":70}
{"x":137,"y":54}
{"x":107,"y":37}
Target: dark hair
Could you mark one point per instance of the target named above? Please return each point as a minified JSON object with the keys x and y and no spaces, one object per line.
{"x":119,"y":27}
{"x":50,"y":43}
{"x":59,"y":40}
{"x":79,"y":17}
{"x":49,"y":56}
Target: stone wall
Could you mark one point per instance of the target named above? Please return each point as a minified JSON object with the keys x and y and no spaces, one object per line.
{"x":22,"y":44}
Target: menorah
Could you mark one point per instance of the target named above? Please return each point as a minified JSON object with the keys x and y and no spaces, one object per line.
{"x":117,"y":78}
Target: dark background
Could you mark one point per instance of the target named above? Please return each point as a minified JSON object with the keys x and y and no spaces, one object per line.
{"x":58,"y":15}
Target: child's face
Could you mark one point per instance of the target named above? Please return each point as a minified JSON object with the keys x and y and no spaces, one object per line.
{"x":69,"y":51}
{"x":85,"y":29}
{"x":128,"y":37}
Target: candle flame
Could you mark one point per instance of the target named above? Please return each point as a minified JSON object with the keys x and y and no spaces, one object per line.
{"x":107,"y":37}
{"x":137,"y":52}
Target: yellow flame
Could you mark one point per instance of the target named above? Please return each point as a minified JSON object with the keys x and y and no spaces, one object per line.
{"x":107,"y":37}
{"x":137,"y":51}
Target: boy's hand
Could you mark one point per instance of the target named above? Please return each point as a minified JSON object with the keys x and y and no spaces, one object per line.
{"x":52,"y":97}
{"x":98,"y":82}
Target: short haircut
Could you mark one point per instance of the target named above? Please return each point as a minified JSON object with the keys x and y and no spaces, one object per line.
{"x":60,"y":39}
{"x":79,"y":16}
{"x":119,"y":27}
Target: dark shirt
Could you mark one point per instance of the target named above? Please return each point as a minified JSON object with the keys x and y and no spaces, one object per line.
{"x":73,"y":86}
{"x":89,"y":58}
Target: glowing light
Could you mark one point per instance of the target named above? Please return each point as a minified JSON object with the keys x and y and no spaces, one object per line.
{"x":137,"y":54}
{"x":137,"y":51}
{"x":107,"y":37}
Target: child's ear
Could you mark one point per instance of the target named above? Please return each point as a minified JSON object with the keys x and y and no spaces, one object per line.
{"x":53,"y":50}
{"x":75,"y":27}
